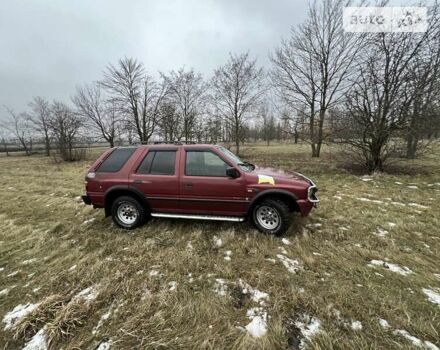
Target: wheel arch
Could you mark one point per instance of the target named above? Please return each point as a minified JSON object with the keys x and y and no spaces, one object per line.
{"x":283,"y":195}
{"x":116,"y":191}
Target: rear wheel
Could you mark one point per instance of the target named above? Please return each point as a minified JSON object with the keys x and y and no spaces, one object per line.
{"x":271,"y":216}
{"x":128,"y":213}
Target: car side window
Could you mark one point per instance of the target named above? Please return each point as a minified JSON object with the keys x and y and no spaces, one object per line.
{"x":116,"y":160}
{"x":145,"y":166}
{"x":204,"y":163}
{"x":158,"y":163}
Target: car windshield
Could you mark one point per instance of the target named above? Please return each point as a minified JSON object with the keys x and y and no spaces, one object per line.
{"x":246,"y":166}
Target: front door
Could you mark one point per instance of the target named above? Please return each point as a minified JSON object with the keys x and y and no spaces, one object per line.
{"x":205,"y":188}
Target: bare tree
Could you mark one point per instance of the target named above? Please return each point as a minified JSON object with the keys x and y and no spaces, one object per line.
{"x":65,"y":124}
{"x":424,"y":75}
{"x":40,"y":119}
{"x":186,"y":92}
{"x":3,"y":142}
{"x":268,"y":127}
{"x":100,"y":114}
{"x":237,"y":89}
{"x":19,"y":126}
{"x":380,"y":99}
{"x":310,"y":69}
{"x":136,"y":95}
{"x":169,"y":125}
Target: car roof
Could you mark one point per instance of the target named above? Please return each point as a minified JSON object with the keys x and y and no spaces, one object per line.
{"x":174,"y":145}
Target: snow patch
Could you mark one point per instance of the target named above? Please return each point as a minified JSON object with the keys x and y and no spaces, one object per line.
{"x":12,"y":274}
{"x":437,"y":275}
{"x":255,"y":294}
{"x":309,"y":327}
{"x":103,"y":318}
{"x":172,"y":285}
{"x":392,"y":267}
{"x":155,"y":273}
{"x":105,"y":345}
{"x":414,"y":340}
{"x":356,"y":325}
{"x":291,"y":265}
{"x":258,"y":325}
{"x":384,"y":323}
{"x":381,"y":232}
{"x":89,"y":221}
{"x":416,"y":205}
{"x":72,"y":268}
{"x":38,"y":341}
{"x":217,"y":242}
{"x":414,"y":187}
{"x":220,"y":286}
{"x":29,"y":261}
{"x":283,"y":250}
{"x":228,"y":254}
{"x":285,"y":241}
{"x":87,"y":295}
{"x":433,"y":296}
{"x":12,"y":318}
{"x":363,"y":199}
{"x":392,"y":224}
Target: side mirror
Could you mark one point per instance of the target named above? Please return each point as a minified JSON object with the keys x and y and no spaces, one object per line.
{"x":232,"y":172}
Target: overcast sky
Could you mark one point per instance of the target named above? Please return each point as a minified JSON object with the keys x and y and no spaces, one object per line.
{"x":49,"y":47}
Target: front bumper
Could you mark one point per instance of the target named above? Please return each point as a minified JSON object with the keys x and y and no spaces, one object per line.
{"x":86,"y":199}
{"x":305,"y":206}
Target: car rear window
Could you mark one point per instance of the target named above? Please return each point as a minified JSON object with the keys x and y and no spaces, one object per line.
{"x":115,"y":161}
{"x":158,"y":163}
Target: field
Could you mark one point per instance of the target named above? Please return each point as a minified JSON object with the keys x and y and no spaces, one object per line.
{"x":361,"y":272}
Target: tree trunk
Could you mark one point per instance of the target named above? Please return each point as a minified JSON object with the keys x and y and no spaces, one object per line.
{"x":47,"y":145}
{"x":318,"y":148}
{"x":376,"y":161}
{"x":313,"y":149}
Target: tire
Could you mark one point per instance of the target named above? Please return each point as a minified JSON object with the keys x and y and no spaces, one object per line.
{"x":271,"y":216}
{"x":128,"y":213}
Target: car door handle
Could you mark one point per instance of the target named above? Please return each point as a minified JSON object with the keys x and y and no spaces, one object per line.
{"x":137,"y":181}
{"x":188,"y":184}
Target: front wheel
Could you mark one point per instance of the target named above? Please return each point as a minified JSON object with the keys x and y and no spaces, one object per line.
{"x":271,"y":216}
{"x":128,"y":213}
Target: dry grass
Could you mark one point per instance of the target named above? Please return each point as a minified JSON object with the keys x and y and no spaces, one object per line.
{"x":134,"y":272}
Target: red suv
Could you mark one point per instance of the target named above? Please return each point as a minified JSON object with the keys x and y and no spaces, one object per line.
{"x":206,"y":182}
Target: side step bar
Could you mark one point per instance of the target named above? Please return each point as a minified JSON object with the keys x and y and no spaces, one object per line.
{"x":198,"y":217}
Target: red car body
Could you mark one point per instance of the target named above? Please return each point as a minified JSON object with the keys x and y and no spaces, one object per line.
{"x":208,"y":195}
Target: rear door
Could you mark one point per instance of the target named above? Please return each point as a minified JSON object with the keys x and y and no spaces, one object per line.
{"x":204,"y":186}
{"x":157,"y":176}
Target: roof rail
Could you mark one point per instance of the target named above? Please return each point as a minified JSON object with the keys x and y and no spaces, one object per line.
{"x":175,"y":142}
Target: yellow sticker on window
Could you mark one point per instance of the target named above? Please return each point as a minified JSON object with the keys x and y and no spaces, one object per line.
{"x":264,"y":179}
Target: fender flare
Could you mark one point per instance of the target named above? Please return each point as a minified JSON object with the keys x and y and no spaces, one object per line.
{"x":128,"y":190}
{"x":270,"y":192}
